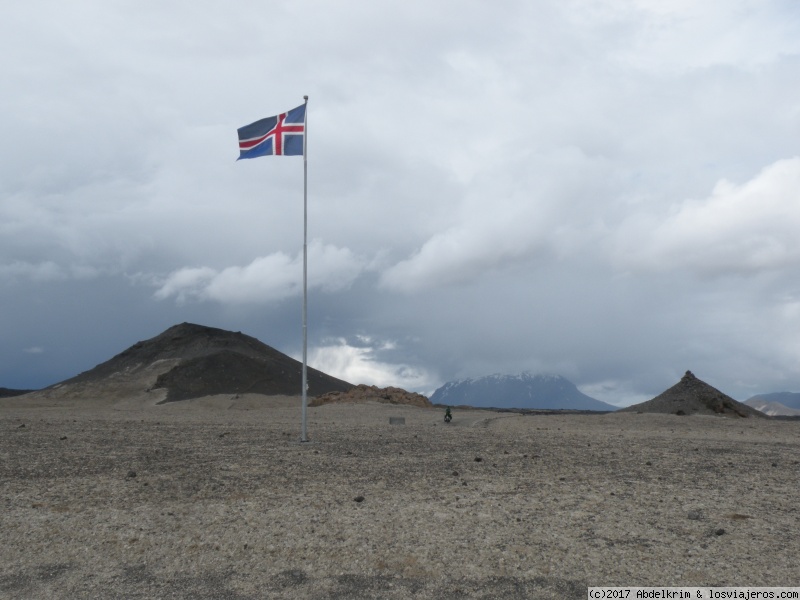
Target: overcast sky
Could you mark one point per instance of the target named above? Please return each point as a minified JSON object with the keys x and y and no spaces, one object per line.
{"x":607,"y":190}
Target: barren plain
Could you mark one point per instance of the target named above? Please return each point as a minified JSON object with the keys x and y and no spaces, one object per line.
{"x":216,"y":498}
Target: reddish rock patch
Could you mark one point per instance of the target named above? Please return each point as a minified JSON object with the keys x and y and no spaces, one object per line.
{"x":367,"y":393}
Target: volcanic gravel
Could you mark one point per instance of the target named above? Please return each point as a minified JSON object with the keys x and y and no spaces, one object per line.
{"x":217,"y":498}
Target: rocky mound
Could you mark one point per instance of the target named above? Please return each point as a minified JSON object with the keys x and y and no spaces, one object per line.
{"x":367,"y":393}
{"x":692,"y":396}
{"x":191,"y":361}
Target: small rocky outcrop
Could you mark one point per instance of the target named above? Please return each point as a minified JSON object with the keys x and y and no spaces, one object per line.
{"x":371,"y":393}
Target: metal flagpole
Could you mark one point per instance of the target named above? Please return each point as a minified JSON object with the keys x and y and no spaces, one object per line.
{"x":304,"y":434}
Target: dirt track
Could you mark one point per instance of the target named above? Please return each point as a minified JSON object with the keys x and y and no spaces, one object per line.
{"x":225,"y":503}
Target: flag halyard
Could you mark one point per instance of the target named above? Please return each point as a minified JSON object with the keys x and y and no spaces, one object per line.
{"x":281,"y":135}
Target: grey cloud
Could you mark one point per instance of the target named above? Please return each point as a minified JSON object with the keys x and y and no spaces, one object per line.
{"x":495,"y":187}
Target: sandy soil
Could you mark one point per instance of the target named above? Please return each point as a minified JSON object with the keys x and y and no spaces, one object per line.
{"x":215,"y":498}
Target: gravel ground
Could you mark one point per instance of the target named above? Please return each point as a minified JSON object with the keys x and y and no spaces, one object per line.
{"x":216,"y":498}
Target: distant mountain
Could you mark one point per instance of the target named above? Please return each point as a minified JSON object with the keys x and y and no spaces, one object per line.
{"x":692,"y":396}
{"x":773,"y":409}
{"x":190,"y":361}
{"x":788,"y":399}
{"x":517,"y":391}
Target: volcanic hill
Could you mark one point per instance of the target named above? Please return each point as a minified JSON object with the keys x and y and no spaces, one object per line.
{"x":691,"y":396}
{"x":190,"y":361}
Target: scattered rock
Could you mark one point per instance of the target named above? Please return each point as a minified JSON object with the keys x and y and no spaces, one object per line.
{"x":63,"y":437}
{"x":527,"y":513}
{"x":21,"y":426}
{"x":131,"y":474}
{"x":478,"y":459}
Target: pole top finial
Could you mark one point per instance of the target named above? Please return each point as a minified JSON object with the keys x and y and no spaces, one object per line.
{"x":305,"y":98}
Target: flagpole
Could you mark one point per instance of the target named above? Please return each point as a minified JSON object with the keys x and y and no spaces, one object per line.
{"x":304,"y":434}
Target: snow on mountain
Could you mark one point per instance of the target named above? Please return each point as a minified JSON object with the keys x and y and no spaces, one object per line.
{"x":517,"y":391}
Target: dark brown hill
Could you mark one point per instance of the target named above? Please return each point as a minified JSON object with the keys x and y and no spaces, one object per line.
{"x":191,"y":361}
{"x":691,"y":396}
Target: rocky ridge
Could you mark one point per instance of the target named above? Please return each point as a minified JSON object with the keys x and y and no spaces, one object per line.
{"x":371,"y":393}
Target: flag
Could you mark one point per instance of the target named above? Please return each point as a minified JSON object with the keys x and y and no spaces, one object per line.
{"x":282,"y":135}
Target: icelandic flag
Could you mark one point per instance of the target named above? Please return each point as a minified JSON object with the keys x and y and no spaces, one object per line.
{"x":282,"y":135}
